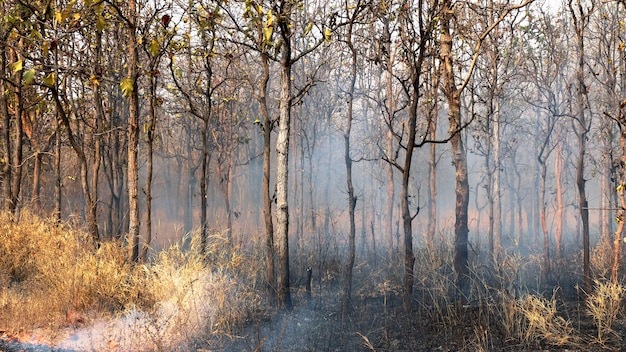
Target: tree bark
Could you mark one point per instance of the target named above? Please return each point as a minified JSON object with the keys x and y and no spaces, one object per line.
{"x":461,"y":229}
{"x":348,"y":162}
{"x":133,"y":134}
{"x":282,"y":159}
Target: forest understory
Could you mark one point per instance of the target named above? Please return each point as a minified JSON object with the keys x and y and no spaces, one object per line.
{"x":73,"y":297}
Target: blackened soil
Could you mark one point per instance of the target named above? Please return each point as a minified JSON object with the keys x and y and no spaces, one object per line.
{"x":379,"y":323}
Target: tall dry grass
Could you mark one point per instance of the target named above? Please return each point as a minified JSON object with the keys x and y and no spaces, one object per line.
{"x":52,"y":276}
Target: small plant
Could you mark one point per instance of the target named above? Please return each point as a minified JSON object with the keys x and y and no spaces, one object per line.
{"x":603,"y":306}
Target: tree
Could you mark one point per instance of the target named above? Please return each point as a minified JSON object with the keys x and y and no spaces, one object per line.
{"x":197,"y":87}
{"x":11,"y":100}
{"x":452,"y":91}
{"x":580,"y":13}
{"x":155,"y":45}
{"x":352,"y":17}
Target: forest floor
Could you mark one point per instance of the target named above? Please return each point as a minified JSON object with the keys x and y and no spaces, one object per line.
{"x":185,"y":300}
{"x":377,"y":323}
{"x":381,"y":324}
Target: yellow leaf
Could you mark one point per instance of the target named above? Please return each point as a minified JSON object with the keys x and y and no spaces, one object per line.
{"x":46,"y":48}
{"x":127,"y":86}
{"x":49,"y":80}
{"x":270,"y":19}
{"x":18,"y":66}
{"x":94,"y":80}
{"x":307,"y":29}
{"x":267,"y":34}
{"x":327,"y":35}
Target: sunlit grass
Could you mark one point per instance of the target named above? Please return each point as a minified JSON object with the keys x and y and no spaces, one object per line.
{"x":53,"y":276}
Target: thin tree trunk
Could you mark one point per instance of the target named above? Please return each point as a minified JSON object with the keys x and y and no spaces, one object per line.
{"x":150,"y":168}
{"x":544,"y":227}
{"x":496,"y":192}
{"x":582,"y":127}
{"x":621,"y":216}
{"x":133,"y":134}
{"x":348,"y":162}
{"x":268,"y":126}
{"x":560,"y":205}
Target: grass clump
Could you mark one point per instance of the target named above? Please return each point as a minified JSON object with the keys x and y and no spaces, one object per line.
{"x":604,"y":305}
{"x":543,"y":324}
{"x":51,"y":270}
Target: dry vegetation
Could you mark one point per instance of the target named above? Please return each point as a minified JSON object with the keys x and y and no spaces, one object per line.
{"x":54,"y":278}
{"x":58,"y":289}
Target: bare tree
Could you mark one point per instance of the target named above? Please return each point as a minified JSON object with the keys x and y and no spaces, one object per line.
{"x":453,"y":91}
{"x":580,"y":12}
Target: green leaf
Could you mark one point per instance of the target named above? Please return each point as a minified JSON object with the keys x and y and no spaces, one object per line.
{"x":127,"y":86}
{"x":17,"y":66}
{"x":29,"y":76}
{"x":154,"y":47}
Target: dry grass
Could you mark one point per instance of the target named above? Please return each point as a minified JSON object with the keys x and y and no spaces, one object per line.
{"x":51,"y":271}
{"x":53,"y":276}
{"x":543,"y":324}
{"x":604,"y":305}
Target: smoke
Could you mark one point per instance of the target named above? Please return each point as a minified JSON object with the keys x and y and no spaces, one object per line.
{"x":172,"y":323}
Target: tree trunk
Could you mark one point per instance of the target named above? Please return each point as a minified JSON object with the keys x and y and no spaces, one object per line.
{"x":204,"y":167}
{"x":150,"y":166}
{"x":560,"y":204}
{"x":390,"y":139}
{"x":621,"y":215}
{"x":461,"y":229}
{"x":544,"y":227}
{"x":348,"y":162}
{"x":282,"y":161}
{"x":496,"y":192}
{"x":133,"y":135}
{"x":582,"y":126}
{"x":268,"y":125}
